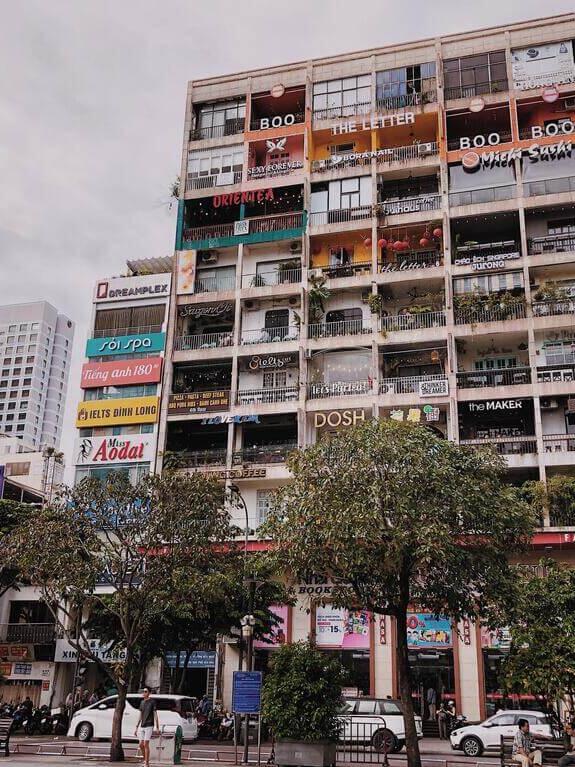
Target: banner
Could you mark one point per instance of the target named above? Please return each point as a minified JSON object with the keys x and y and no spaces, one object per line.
{"x":425,"y":630}
{"x":186,"y":272}
{"x":117,"y":412}
{"x":107,"y":450}
{"x":496,"y":639}
{"x":16,"y":651}
{"x":136,"y":344}
{"x":65,"y":653}
{"x":198,"y":402}
{"x":342,"y":629}
{"x":198,"y":659}
{"x":121,"y":373}
{"x":277,"y":636}
{"x":129,"y":288}
{"x":541,"y":65}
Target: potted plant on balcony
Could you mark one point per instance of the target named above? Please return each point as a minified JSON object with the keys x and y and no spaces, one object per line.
{"x":287,"y":271}
{"x":301,"y":700}
{"x":375,"y":303}
{"x":550,"y":291}
{"x":318,"y":294}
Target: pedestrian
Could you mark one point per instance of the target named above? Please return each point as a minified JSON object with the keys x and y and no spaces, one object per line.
{"x":569,"y":743}
{"x":205,"y":706}
{"x":443,"y":720}
{"x":147,"y":720}
{"x":431,"y":698}
{"x":524,"y":750}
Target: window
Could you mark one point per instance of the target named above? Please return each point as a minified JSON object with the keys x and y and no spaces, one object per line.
{"x":221,"y":118}
{"x":389,"y":707}
{"x":403,"y":188}
{"x":496,"y":363}
{"x":340,"y":98}
{"x":276,"y":318}
{"x":212,"y":162}
{"x":345,"y":315}
{"x":364,"y":707}
{"x":35,"y":326}
{"x":565,"y":226}
{"x":263,"y":505}
{"x":503,"y":720}
{"x":473,"y":75}
{"x":11,"y":406}
{"x":275,"y":379}
{"x":20,"y":469}
{"x":404,"y":86}
{"x":488,"y":283}
{"x":113,"y":322}
{"x":559,"y":352}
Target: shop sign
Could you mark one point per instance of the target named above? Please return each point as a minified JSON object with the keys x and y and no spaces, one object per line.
{"x":197,"y":659}
{"x":241,"y":198}
{"x":17,"y":651}
{"x":215,"y":310}
{"x":136,"y":344}
{"x":65,"y":653}
{"x":493,"y":405}
{"x":315,"y":586}
{"x":198,"y":402}
{"x":117,"y":412}
{"x":124,"y":288}
{"x":382,"y":630}
{"x":274,"y":169}
{"x":466,"y":631}
{"x":439,"y":388}
{"x":411,"y":205}
{"x":277,"y":121}
{"x":477,"y":142}
{"x":105,"y":450}
{"x":19,"y":670}
{"x":486,"y":263}
{"x":218,"y":419}
{"x":540,"y":65}
{"x":427,"y":413}
{"x":405,"y":266}
{"x":241,"y":227}
{"x":267,"y":361}
{"x":335,"y":418}
{"x":236,"y":473}
{"x":499,"y":639}
{"x":5,"y":669}
{"x":342,"y":629}
{"x":340,"y":388}
{"x":426,"y":630}
{"x":121,"y":373}
{"x":186,"y":272}
{"x":277,"y":635}
{"x":473,"y":160}
{"x":563,"y":127}
{"x":373,"y":122}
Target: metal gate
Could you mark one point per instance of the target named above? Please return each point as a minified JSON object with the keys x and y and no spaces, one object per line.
{"x":364,"y":742}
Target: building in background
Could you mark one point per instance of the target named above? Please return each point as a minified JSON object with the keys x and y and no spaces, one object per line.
{"x":384,"y":234}
{"x":38,"y":470}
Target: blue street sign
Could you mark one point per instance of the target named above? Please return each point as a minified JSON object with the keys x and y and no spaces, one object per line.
{"x":247,"y":692}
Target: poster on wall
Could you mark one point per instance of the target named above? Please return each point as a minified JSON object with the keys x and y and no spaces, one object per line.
{"x":278,"y":635}
{"x":496,"y":639}
{"x":541,"y":65}
{"x":186,"y":273}
{"x":342,"y":629}
{"x":426,"y":630}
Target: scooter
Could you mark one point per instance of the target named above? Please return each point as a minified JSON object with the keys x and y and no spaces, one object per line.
{"x":59,"y":721}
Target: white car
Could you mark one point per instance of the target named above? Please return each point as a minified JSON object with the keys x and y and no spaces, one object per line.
{"x":473,"y":739}
{"x":95,"y":721}
{"x":375,"y":721}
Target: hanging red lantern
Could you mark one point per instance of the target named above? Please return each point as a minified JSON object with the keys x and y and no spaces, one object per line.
{"x":316,"y":249}
{"x":437,"y":232}
{"x":398,"y":245}
{"x":427,"y":233}
{"x":405,"y":245}
{"x":382,"y":243}
{"x":424,"y":242}
{"x":367,"y":242}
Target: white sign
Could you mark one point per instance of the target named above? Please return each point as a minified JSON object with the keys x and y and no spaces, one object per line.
{"x":107,"y":450}
{"x":473,"y":160}
{"x":561,"y":127}
{"x":411,"y":205}
{"x":278,"y":121}
{"x":483,"y":263}
{"x":125,"y":288}
{"x":275,"y":169}
{"x":476,"y":142}
{"x":241,"y":227}
{"x":27,"y":670}
{"x":330,"y":626}
{"x":65,"y":653}
{"x":439,"y":388}
{"x":373,"y":122}
{"x":541,"y":65}
{"x":224,"y":179}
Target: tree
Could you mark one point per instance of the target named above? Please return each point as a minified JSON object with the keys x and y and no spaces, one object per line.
{"x":12,"y":513}
{"x":556,"y":497}
{"x":397,"y":517}
{"x":128,"y":553}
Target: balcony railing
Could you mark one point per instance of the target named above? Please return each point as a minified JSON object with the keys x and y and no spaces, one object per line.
{"x":504,"y":137}
{"x":339,"y":389}
{"x":260,"y":224}
{"x":406,"y":100}
{"x":229,"y":128}
{"x":273,"y":277}
{"x":556,"y":243}
{"x":561,"y":518}
{"x":473,"y":316}
{"x":340,"y":216}
{"x":412,"y":321}
{"x":343,"y":328}
{"x":215,"y":180}
{"x":129,"y":331}
{"x":255,"y":123}
{"x":264,"y":453}
{"x":478,"y":196}
{"x":349,"y":110}
{"x":409,"y":260}
{"x":553,"y":308}
{"x":479,"y":89}
{"x":559,"y":443}
{"x":270,"y":335}
{"x":268,"y":396}
{"x":417,"y":204}
{"x":549,"y":186}
{"x":28,"y":633}
{"x":487,"y":251}
{"x":203,"y":341}
{"x":414,"y":384}
{"x":505,"y":445}
{"x":407,"y":153}
{"x":556,"y":373}
{"x":196,"y":458}
{"x":215,"y":284}
{"x":343,"y":270}
{"x":479,"y":379}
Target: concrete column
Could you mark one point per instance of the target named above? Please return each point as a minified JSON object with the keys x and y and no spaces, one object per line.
{"x":382,"y":655}
{"x":466,"y":656}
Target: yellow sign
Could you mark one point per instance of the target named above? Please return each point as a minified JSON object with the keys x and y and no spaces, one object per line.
{"x":109,"y":412}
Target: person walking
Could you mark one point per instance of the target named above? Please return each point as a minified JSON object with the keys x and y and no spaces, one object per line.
{"x":147,"y":721}
{"x":431,"y":698}
{"x":569,"y":743}
{"x":443,"y":719}
{"x":524,"y":750}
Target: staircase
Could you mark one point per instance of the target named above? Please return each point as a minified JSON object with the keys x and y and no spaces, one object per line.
{"x":430,"y":728}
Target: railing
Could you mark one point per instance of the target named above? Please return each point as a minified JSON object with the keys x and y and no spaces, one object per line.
{"x":406,"y":100}
{"x":258,"y":224}
{"x":553,"y":308}
{"x":255,"y":124}
{"x":479,"y":89}
{"x":270,"y":335}
{"x":480,"y":379}
{"x":28,"y":633}
{"x":417,"y":204}
{"x":275,"y":277}
{"x":561,"y":518}
{"x":229,"y":128}
{"x":549,"y":186}
{"x":412,"y":321}
{"x":203,"y":341}
{"x":485,"y":251}
{"x":342,"y":328}
{"x":473,"y":316}
{"x":505,"y":445}
{"x":504,"y":138}
{"x":340,"y":216}
{"x":208,"y":182}
{"x":556,"y":243}
{"x":478,"y":196}
{"x":209,"y":232}
{"x":343,"y":270}
{"x":411,"y":384}
{"x":264,"y":453}
{"x":408,"y":260}
{"x":268,"y":396}
{"x":354,"y":160}
{"x":339,"y":389}
{"x":349,"y":110}
{"x":215,"y":284}
{"x":559,"y":443}
{"x":130,"y":331}
{"x":556,"y":373}
{"x":196,"y":458}
{"x":407,"y":153}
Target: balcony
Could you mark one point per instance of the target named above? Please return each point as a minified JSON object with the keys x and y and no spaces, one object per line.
{"x":28,"y":633}
{"x":257,"y":229}
{"x":559,"y":243}
{"x":480,"y":315}
{"x":418,"y":204}
{"x":480,"y":379}
{"x":553,"y":308}
{"x":340,"y":216}
{"x":343,"y":328}
{"x":550,"y":186}
{"x":410,"y":260}
{"x":215,"y":284}
{"x":195,"y":459}
{"x":487,"y":253}
{"x":273,"y":277}
{"x":268,"y":396}
{"x":270,"y":335}
{"x":203,"y":341}
{"x":414,"y":99}
{"x":407,"y":153}
{"x":343,"y":270}
{"x":212,"y":181}
{"x":264,"y":454}
{"x":133,"y":330}
{"x":229,"y":128}
{"x":412,"y":321}
{"x":339,"y":389}
{"x":423,"y":386}
{"x":559,"y":443}
{"x":255,"y":123}
{"x":505,"y":445}
{"x":349,"y":110}
{"x":478,"y":196}
{"x":478,"y":89}
{"x":556,"y":374}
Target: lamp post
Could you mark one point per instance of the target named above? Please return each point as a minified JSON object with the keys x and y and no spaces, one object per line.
{"x":248,"y":622}
{"x":235,"y":491}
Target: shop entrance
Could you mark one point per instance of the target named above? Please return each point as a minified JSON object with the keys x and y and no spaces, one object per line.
{"x":431,"y":670}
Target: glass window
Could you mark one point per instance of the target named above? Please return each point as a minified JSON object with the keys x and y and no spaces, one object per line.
{"x":473,"y":75}
{"x":342,"y":95}
{"x":503,"y":720}
{"x":364,"y":707}
{"x":405,"y":85}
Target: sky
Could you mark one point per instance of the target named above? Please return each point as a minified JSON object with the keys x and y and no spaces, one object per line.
{"x":92,"y":98}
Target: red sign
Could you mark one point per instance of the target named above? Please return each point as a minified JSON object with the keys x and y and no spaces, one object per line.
{"x":121,"y":373}
{"x":46,"y":684}
{"x":5,"y":669}
{"x":240,"y":198}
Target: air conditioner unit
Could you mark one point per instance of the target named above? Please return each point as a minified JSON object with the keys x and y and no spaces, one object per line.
{"x":365,"y":294}
{"x":295,"y":246}
{"x":549,"y":404}
{"x":425,"y":149}
{"x":251,"y":305}
{"x":208,"y":256}
{"x":570,"y":103}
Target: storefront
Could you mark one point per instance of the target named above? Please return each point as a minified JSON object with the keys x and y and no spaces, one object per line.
{"x":430,"y":642}
{"x":496,"y":418}
{"x":347,"y":634}
{"x":494,"y":648}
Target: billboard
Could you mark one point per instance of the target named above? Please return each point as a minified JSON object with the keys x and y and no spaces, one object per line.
{"x":121,"y":372}
{"x":136,"y":344}
{"x":541,"y":65}
{"x":186,"y":272}
{"x":106,"y":450}
{"x":129,"y":288}
{"x":198,"y":402}
{"x":117,"y":412}
{"x":277,"y":636}
{"x":426,"y":630}
{"x":341,"y":629}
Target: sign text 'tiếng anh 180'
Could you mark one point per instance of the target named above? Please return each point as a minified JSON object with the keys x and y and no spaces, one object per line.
{"x":121,"y":372}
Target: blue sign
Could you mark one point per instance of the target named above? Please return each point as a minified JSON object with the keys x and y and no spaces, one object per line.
{"x":247,"y":692}
{"x":198,"y":659}
{"x":425,"y":630}
{"x":144,"y":342}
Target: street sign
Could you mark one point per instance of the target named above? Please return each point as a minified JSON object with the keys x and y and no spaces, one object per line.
{"x":247,"y":692}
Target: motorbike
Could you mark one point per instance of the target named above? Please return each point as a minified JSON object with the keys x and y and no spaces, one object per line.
{"x":59,"y":721}
{"x":32,"y":724}
{"x":19,"y":717}
{"x":208,"y":727}
{"x":456,"y":721}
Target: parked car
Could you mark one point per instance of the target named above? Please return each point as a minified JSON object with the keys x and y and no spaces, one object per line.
{"x":95,"y":721}
{"x":375,"y":721}
{"x":476,"y":738}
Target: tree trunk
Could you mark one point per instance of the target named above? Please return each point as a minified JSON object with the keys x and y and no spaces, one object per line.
{"x":183,"y":672}
{"x":402,"y":660}
{"x":116,"y":750}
